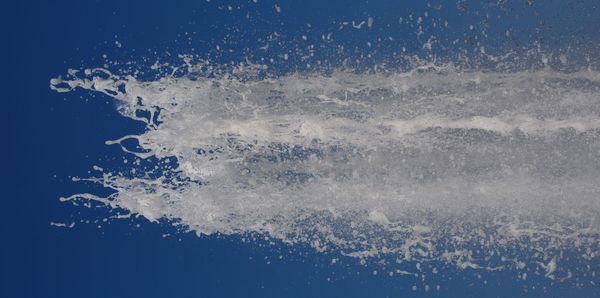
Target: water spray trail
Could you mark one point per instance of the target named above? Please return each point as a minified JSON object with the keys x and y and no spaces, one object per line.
{"x":478,"y":169}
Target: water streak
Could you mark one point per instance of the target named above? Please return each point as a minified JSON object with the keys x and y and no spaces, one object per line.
{"x":480,"y":169}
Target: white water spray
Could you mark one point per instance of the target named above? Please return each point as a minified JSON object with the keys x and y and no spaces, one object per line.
{"x":484,"y":170}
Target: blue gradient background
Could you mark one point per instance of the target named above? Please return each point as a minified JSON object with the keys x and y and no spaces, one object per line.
{"x":47,"y":137}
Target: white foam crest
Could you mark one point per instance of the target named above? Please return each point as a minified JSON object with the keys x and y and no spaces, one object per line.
{"x":427,"y":165}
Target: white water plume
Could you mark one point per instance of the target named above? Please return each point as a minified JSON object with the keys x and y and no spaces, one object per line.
{"x":480,"y":169}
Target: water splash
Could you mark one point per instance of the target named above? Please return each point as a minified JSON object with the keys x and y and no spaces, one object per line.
{"x":479,"y":169}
